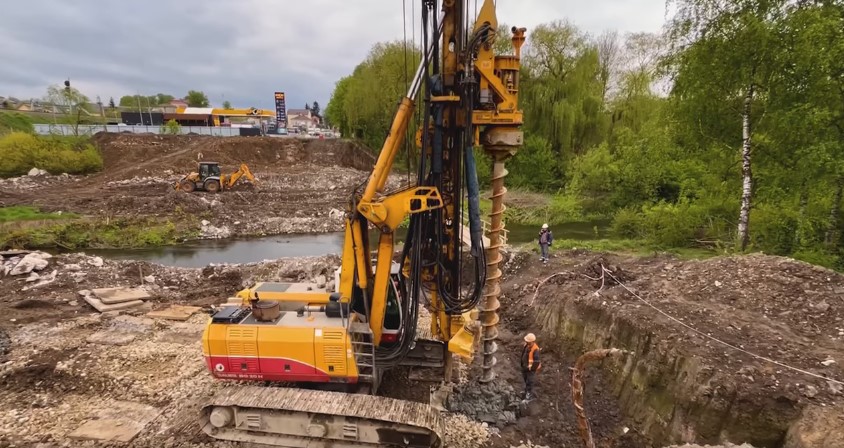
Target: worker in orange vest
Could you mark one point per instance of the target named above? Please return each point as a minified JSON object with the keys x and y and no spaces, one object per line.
{"x":530,"y":364}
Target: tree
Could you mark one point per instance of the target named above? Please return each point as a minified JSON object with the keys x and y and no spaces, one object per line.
{"x":161,"y":98}
{"x":70,"y":98}
{"x":227,"y":105}
{"x":724,"y":70}
{"x":335,"y":114}
{"x":111,"y":103}
{"x":197,"y":98}
{"x":315,"y":109}
{"x":172,"y":127}
{"x":363,"y":103}
{"x":562,"y":91}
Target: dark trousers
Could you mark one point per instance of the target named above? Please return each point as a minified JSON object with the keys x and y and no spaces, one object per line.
{"x":528,"y":376}
{"x":544,"y":249}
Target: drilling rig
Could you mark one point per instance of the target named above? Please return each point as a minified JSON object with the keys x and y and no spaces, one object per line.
{"x":330,"y":349}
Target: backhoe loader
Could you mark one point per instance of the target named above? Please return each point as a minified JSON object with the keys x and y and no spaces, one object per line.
{"x":208,"y":178}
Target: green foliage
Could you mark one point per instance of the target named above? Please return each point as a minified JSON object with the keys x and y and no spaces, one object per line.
{"x":95,"y":234}
{"x":197,"y":98}
{"x":533,"y":165}
{"x":172,"y":127}
{"x":227,"y":105}
{"x":601,"y":141}
{"x":15,"y":122}
{"x":28,"y":213}
{"x":20,"y":152}
{"x":364,"y":103}
{"x":143,"y":101}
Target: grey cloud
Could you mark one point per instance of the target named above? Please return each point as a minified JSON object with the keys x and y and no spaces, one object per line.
{"x":242,"y":51}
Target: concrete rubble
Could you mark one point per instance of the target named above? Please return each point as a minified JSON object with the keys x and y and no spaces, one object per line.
{"x":212,"y":232}
{"x":24,"y":263}
{"x":462,"y":432}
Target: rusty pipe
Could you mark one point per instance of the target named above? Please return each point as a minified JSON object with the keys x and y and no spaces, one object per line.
{"x":577,"y":390}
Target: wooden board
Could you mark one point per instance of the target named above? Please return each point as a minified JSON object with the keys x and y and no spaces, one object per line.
{"x":175,"y":312}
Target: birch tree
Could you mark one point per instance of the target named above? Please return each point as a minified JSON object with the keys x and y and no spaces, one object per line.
{"x":722,"y":57}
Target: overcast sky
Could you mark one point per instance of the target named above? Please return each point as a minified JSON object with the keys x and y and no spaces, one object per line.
{"x":241,"y":51}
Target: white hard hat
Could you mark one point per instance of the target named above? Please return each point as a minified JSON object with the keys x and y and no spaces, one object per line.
{"x":530,"y":337}
{"x":544,"y":226}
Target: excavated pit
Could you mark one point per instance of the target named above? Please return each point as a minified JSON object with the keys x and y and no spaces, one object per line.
{"x":679,"y":386}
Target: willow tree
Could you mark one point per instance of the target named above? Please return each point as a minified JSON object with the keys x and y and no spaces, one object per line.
{"x":563,"y":90}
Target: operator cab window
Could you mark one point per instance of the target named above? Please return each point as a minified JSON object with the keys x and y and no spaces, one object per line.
{"x":215,"y":170}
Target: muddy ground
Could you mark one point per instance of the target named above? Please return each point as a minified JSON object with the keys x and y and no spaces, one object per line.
{"x":56,"y":373}
{"x":299,"y":183}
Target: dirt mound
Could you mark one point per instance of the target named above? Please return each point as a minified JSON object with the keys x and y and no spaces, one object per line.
{"x":128,"y":155}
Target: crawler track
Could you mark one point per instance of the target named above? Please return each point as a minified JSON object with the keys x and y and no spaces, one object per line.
{"x":290,"y":417}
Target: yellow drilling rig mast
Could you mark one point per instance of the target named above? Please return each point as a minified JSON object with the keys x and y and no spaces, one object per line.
{"x":331,"y":348}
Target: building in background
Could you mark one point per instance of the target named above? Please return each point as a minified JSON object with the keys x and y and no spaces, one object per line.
{"x":302,"y":119}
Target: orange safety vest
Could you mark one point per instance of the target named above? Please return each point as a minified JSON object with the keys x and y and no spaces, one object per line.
{"x":531,"y":357}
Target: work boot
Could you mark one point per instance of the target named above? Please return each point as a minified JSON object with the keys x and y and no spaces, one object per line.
{"x":528,"y":396}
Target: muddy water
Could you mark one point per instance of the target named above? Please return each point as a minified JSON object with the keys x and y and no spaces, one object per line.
{"x":247,"y":250}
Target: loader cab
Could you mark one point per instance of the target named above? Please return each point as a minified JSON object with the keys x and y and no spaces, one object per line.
{"x":208,"y":169}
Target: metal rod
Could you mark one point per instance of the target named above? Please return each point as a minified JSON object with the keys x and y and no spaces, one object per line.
{"x":417,"y":78}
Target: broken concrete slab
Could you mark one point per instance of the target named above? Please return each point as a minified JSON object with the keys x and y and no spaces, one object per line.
{"x":102,"y":307}
{"x":120,"y":294}
{"x":118,"y":421}
{"x":175,"y":312}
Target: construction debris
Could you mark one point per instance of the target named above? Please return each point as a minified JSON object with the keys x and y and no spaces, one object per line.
{"x":114,"y":299}
{"x":175,"y":312}
{"x":15,"y":264}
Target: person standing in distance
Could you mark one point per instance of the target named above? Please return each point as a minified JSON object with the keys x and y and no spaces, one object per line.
{"x":545,"y":240}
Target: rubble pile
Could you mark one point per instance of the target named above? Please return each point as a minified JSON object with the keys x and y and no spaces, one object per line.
{"x":461,"y":432}
{"x":41,"y":179}
{"x":495,"y":402}
{"x":32,"y":264}
{"x":213,"y":232}
{"x":144,"y":181}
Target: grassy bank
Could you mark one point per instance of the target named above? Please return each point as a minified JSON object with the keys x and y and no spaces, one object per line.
{"x":662,"y":228}
{"x":27,"y":213}
{"x":87,"y":233}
